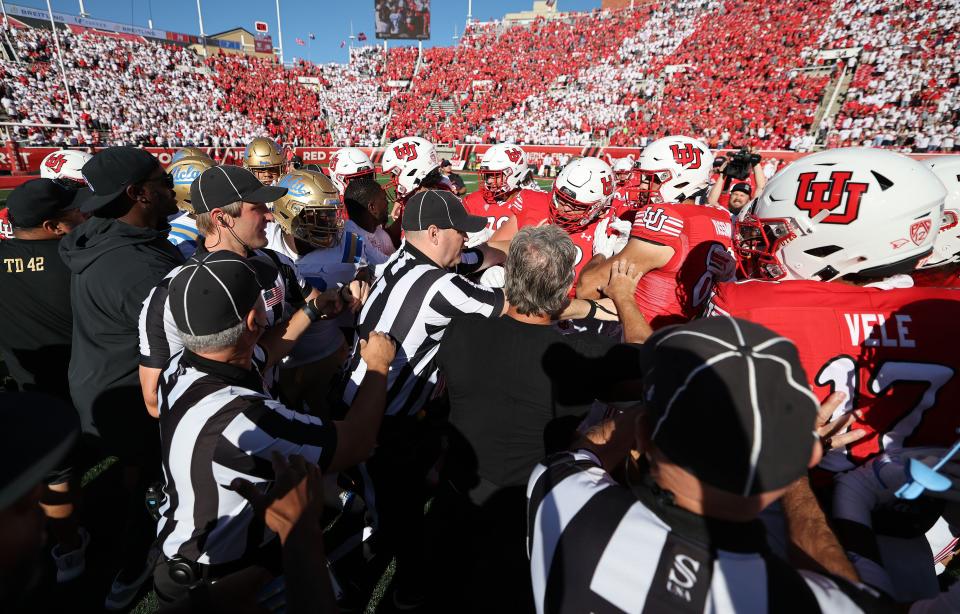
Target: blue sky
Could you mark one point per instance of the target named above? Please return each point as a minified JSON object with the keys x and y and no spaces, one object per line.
{"x":329,"y":20}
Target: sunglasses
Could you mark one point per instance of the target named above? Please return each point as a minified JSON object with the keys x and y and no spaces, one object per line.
{"x":166,"y":178}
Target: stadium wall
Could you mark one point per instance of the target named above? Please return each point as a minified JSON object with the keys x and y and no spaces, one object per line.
{"x":32,"y":156}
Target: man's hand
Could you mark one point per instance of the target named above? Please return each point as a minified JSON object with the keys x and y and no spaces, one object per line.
{"x":378,"y":351}
{"x":357,"y":291}
{"x":833,"y":432}
{"x":297,"y":493}
{"x":624,"y":277}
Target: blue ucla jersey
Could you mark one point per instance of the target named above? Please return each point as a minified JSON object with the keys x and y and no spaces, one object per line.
{"x":184,"y":234}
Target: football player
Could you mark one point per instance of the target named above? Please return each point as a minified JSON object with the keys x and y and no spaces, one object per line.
{"x":502,"y":174}
{"x":861,"y":219}
{"x":412,"y":164}
{"x":264,"y":159}
{"x":183,"y":226}
{"x":581,"y":195}
{"x":829,"y":245}
{"x":347,"y":164}
{"x":626,"y":199}
{"x":680,"y":247}
{"x":310,"y":219}
{"x":941,"y":268}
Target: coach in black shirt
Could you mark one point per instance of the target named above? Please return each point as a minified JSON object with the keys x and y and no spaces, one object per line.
{"x":35,"y":287}
{"x":517,"y":387}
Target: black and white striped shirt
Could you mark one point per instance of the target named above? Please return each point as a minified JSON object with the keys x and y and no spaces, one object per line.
{"x":217,"y":424}
{"x":414,"y":300}
{"x":159,"y":337}
{"x":596,"y":546}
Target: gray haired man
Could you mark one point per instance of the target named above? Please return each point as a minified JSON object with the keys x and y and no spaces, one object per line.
{"x":517,"y":387}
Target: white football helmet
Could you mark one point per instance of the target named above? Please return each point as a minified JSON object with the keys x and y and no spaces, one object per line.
{"x":408,"y":161}
{"x":623,"y":169}
{"x":582,"y":191}
{"x":65,"y":167}
{"x":673,"y":169}
{"x":502,"y":169}
{"x":347,"y":164}
{"x":847,"y":211}
{"x":946,"y":246}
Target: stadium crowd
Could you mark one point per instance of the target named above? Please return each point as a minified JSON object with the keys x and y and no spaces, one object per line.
{"x":758,"y":84}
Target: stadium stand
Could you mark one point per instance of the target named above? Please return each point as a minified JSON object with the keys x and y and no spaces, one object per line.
{"x":729,"y":72}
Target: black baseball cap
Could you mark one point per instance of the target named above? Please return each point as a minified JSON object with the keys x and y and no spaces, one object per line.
{"x":743,"y":186}
{"x":731,"y":404}
{"x":214,"y":291}
{"x":36,"y":432}
{"x":37,"y":201}
{"x":439,"y":208}
{"x":445,"y":163}
{"x":109,"y":172}
{"x":219,"y":186}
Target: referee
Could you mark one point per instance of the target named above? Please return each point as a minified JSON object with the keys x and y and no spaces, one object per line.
{"x":217,"y":423}
{"x":417,"y":295}
{"x":729,"y":431}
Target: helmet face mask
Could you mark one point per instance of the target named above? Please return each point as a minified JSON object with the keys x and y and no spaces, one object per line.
{"x":652,"y":180}
{"x":946,"y":247}
{"x":311,"y":210}
{"x":494,"y":182}
{"x":757,"y":242}
{"x":582,"y":191}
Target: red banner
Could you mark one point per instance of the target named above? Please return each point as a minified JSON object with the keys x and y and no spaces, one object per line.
{"x":31,"y":157}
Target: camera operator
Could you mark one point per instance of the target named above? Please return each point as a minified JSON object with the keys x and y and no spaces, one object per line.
{"x":733,"y":188}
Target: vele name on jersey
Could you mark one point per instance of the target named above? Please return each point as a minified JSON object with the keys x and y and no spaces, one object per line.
{"x":879,"y":330}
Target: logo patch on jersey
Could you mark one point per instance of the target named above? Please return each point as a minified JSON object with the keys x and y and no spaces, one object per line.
{"x":407,"y":151}
{"x":838,"y":195}
{"x":514,"y":155}
{"x":919,"y":231}
{"x":608,"y":184}
{"x":273,"y":296}
{"x":56,"y":162}
{"x":687,"y":156}
{"x":658,"y":221}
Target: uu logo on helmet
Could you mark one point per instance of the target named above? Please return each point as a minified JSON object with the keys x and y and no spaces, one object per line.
{"x":838,"y":195}
{"x":688,"y":156}
{"x":55,"y":163}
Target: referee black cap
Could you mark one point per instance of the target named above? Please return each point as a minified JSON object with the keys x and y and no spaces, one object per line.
{"x":442,"y":209}
{"x":219,"y":186}
{"x":215,"y":291}
{"x":36,"y":432}
{"x":731,"y":404}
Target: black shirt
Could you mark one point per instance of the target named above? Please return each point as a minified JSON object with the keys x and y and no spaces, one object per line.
{"x":37,"y":321}
{"x":508,"y":380}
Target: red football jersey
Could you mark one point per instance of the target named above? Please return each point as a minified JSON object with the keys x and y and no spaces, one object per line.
{"x":497,"y":214}
{"x":531,"y":207}
{"x":703,"y":253}
{"x":947,"y":276}
{"x":891,"y":351}
{"x":6,"y":229}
